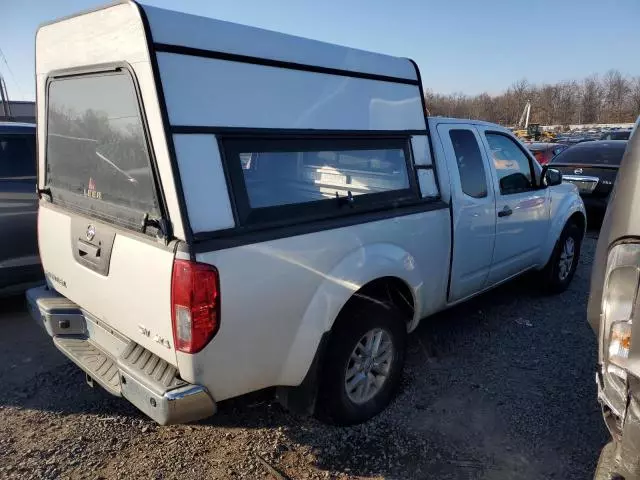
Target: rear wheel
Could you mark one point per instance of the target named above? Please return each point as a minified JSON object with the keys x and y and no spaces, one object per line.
{"x":559,"y":272}
{"x":363,"y":364}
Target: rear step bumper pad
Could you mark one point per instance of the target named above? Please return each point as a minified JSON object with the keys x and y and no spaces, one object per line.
{"x":99,"y":365}
{"x":147,"y":381}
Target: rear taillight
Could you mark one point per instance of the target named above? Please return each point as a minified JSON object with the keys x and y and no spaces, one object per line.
{"x":195,"y":305}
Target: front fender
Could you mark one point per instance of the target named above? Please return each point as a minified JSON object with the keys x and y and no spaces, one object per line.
{"x":565,"y":201}
{"x":355,"y":270}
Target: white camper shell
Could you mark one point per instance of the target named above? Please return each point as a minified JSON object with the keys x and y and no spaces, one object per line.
{"x":225,"y":209}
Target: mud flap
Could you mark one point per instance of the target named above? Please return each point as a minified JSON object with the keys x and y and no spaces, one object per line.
{"x":301,"y":399}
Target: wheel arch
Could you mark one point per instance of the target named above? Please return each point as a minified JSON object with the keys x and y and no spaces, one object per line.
{"x":367,"y":273}
{"x":390,"y":289}
{"x":302,"y":398}
{"x":580,"y":219}
{"x":565,"y":208}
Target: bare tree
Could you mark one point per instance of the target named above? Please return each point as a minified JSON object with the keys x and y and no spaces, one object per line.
{"x":634,"y":97}
{"x":545,"y":107}
{"x":517,"y":96}
{"x":567,"y":102}
{"x":616,"y":91}
{"x":610,"y":99}
{"x":591,"y":100}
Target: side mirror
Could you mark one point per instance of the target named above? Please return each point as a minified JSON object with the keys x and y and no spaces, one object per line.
{"x":550,"y":177}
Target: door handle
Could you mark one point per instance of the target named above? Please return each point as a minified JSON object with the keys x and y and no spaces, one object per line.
{"x":505,"y":212}
{"x":87,"y":250}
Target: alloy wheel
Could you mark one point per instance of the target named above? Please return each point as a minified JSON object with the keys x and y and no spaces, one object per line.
{"x":566,"y":258}
{"x":369,"y":365}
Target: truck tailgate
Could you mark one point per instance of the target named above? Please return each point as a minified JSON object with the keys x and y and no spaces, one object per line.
{"x":134,"y":297}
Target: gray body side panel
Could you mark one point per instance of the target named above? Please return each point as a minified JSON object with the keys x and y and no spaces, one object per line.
{"x":19,"y":262}
{"x":622,"y":220}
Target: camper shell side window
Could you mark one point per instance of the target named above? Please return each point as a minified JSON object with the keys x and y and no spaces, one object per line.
{"x":282,"y":179}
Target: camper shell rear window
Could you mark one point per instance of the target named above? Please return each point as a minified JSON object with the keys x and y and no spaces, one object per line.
{"x":97,"y":157}
{"x":283,"y":179}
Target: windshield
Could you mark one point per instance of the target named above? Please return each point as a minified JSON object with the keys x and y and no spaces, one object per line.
{"x":593,"y":153}
{"x":97,"y":158}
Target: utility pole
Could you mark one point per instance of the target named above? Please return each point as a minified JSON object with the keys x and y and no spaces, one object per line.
{"x":4,"y":98}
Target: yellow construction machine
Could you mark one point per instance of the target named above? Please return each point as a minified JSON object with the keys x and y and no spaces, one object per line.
{"x":531,"y":131}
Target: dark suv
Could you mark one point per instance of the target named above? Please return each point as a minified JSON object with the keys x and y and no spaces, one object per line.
{"x":613,"y":305}
{"x":19,"y":261}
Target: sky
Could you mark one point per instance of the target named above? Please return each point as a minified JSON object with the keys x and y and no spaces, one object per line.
{"x":468,"y":46}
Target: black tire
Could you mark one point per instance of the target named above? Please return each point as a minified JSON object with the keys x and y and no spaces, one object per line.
{"x":334,"y":403}
{"x":555,"y":279}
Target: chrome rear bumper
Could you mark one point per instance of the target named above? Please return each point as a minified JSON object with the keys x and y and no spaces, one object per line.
{"x":118,"y":364}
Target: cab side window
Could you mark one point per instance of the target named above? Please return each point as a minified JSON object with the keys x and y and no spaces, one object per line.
{"x":473,"y":178}
{"x":514,"y":169}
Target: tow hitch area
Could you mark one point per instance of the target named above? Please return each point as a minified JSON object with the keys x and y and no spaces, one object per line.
{"x":118,"y":364}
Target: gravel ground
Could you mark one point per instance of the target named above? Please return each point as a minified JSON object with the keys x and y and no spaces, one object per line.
{"x":500,"y":387}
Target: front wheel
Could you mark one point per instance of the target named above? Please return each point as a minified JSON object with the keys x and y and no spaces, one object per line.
{"x":364,"y":362}
{"x":559,"y":272}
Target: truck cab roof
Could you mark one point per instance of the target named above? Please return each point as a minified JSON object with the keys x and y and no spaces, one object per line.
{"x":465,"y":121}
{"x":17,"y":127}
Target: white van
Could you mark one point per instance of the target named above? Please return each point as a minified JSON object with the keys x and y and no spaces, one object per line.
{"x":225,"y":209}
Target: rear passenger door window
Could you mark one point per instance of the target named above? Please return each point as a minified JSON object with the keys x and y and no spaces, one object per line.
{"x":17,"y":157}
{"x":513,"y":167}
{"x":282,"y":179}
{"x":473,"y":178}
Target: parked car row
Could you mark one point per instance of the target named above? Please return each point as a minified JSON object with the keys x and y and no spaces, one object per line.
{"x":579,"y":136}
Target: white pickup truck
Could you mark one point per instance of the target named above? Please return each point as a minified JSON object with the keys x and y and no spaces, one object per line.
{"x":225,"y":209}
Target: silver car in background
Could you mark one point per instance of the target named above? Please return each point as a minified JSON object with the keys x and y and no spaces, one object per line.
{"x":19,"y":260}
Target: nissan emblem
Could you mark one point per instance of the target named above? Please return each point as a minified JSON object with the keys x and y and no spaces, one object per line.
{"x":91,"y":232}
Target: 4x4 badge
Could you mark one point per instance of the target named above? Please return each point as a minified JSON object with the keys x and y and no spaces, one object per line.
{"x":91,"y":232}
